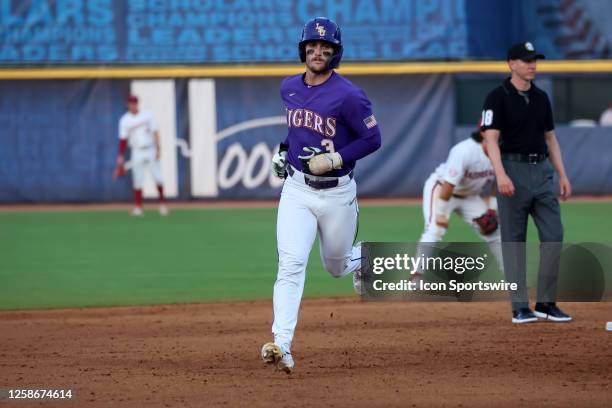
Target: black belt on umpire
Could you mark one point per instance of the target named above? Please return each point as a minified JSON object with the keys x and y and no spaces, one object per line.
{"x":319,"y":183}
{"x":533,"y":158}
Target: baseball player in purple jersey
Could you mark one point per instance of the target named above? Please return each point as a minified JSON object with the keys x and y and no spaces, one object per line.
{"x":330,"y":126}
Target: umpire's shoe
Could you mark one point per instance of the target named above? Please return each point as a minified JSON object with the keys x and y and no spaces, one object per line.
{"x":550,"y":311}
{"x":523,"y":315}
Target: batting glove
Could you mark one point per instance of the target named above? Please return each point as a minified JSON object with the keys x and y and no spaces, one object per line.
{"x":279,"y":164}
{"x":322,"y":163}
{"x":310,"y":152}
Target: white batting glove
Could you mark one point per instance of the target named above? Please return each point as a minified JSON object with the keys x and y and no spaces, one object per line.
{"x":279,"y":164}
{"x":322,"y":163}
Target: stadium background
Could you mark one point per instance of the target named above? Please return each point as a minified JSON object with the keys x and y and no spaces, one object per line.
{"x":210,"y":71}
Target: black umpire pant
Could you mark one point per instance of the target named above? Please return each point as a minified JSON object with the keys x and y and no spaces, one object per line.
{"x":534,"y":195}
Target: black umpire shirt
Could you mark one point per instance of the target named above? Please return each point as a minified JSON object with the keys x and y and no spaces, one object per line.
{"x":521,"y":117}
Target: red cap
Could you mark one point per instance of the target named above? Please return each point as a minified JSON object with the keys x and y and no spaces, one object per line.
{"x":132,"y":99}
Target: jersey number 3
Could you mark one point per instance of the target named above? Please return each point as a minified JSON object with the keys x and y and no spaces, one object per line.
{"x":329,"y":145}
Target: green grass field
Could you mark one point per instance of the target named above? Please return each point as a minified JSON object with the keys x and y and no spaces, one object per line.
{"x":95,"y":258}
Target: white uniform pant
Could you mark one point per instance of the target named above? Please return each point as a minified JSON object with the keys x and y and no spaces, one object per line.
{"x":302,"y":213}
{"x":143,"y":158}
{"x":468,"y":208}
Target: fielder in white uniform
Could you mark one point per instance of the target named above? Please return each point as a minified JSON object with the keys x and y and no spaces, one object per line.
{"x":330,"y":127}
{"x":456,"y":186}
{"x":139,"y":129}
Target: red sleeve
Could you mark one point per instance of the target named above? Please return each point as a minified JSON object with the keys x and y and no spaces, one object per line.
{"x":122,"y":146}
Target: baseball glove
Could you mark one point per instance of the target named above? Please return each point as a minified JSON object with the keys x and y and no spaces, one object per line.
{"x":487,"y":222}
{"x":119,"y":171}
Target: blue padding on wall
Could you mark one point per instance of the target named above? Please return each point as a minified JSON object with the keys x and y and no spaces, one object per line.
{"x":58,"y":140}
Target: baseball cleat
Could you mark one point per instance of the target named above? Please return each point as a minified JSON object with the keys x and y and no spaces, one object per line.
{"x":271,"y":353}
{"x":163,"y":210}
{"x":357,"y":275}
{"x":417,"y":278}
{"x":357,"y":283}
{"x":286,"y":363}
{"x":550,"y":311}
{"x":137,"y":212}
{"x":523,"y":315}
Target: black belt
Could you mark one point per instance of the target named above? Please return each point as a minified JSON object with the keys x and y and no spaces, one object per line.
{"x":533,"y":158}
{"x":318,"y":184}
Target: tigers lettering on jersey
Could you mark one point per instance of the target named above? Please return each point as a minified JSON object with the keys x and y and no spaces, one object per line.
{"x":311,"y":120}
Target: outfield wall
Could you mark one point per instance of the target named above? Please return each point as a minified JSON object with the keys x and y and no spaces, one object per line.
{"x":58,"y":138}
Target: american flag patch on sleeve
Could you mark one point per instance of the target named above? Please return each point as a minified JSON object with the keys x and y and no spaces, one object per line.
{"x":370,"y":121}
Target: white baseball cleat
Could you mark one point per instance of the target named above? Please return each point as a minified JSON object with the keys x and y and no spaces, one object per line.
{"x":417,"y":278}
{"x":357,"y":276}
{"x":286,"y":363}
{"x":271,"y":353}
{"x":163,"y":210}
{"x":357,"y":282}
{"x":137,"y":212}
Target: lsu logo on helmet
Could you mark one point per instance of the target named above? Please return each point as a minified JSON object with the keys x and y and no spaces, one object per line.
{"x":322,"y":29}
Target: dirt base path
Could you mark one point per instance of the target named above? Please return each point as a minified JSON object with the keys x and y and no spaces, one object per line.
{"x":348,"y":353}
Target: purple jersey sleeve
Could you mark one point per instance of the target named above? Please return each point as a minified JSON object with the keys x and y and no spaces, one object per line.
{"x":283,"y":86}
{"x":357,"y":112}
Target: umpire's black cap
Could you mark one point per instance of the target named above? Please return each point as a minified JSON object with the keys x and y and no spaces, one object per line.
{"x":523,"y":51}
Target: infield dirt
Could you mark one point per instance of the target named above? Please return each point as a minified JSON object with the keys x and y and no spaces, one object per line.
{"x":347,"y":352}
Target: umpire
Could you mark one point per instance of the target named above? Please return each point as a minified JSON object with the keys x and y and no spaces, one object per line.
{"x":521,"y":144}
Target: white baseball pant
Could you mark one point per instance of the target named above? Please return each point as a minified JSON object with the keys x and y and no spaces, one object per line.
{"x":143,"y":158}
{"x":302,"y":213}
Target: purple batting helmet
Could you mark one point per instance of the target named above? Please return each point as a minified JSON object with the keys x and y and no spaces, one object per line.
{"x":322,"y":29}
